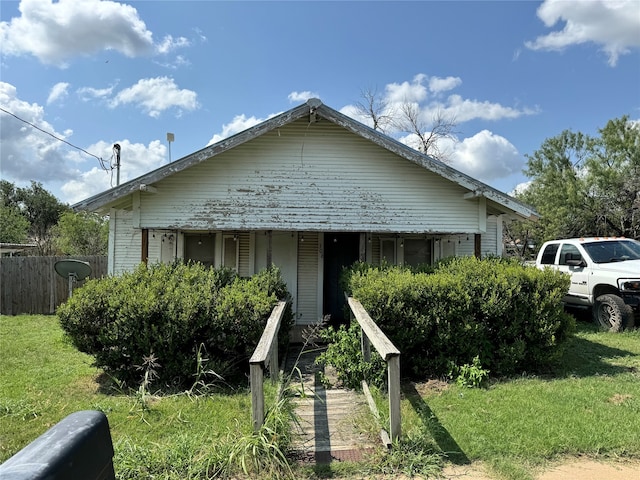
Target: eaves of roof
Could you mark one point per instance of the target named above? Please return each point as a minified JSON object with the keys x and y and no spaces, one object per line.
{"x":312,"y":107}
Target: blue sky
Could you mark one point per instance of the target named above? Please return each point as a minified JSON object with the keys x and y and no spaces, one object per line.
{"x":94,"y":73}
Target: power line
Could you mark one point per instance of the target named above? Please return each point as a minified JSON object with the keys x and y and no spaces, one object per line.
{"x":102,"y":163}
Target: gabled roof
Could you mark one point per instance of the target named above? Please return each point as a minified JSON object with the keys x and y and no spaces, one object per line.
{"x":312,"y":108}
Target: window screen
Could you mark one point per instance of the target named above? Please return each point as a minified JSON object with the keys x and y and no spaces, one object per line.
{"x":417,"y":252}
{"x":388,"y":250}
{"x":230,"y":251}
{"x":200,"y":248}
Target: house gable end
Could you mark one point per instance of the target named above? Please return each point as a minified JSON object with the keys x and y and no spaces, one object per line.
{"x":312,"y":112}
{"x":309,"y":177}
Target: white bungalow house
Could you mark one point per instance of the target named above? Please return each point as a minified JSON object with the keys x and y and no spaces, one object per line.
{"x":310,"y":191}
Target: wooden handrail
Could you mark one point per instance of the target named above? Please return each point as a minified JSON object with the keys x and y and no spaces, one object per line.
{"x":265,"y":354}
{"x":372,"y":335}
{"x":377,"y":337}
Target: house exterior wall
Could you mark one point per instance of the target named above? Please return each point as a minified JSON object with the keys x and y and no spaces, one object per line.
{"x":276,"y":195}
{"x":124,"y":242}
{"x":492,"y":240}
{"x":308,"y":177}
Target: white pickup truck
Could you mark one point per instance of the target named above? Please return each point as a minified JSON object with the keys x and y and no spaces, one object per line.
{"x":605,"y":275}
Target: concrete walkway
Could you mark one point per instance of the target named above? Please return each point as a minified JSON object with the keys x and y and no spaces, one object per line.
{"x":327,"y":418}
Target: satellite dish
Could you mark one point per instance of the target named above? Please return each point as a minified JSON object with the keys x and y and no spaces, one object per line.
{"x":74,"y":270}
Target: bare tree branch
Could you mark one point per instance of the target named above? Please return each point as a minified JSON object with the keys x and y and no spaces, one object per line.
{"x":374,"y":107}
{"x":408,"y":118}
{"x":429,"y":135}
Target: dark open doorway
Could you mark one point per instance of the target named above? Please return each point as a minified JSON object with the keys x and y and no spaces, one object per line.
{"x":340,"y":250}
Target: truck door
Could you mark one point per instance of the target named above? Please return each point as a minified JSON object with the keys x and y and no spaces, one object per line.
{"x":579,"y":288}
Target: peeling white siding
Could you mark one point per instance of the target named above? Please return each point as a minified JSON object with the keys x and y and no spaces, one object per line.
{"x":309,"y":177}
{"x":464,"y":245}
{"x":160,"y":251}
{"x":492,"y":239}
{"x":128,"y":240}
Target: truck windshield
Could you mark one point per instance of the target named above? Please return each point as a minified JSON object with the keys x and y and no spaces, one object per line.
{"x":613,"y":251}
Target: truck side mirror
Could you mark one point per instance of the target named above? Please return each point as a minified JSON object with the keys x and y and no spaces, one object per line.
{"x":575,"y":260}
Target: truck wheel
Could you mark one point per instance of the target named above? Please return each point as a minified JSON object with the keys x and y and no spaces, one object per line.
{"x":612,"y":314}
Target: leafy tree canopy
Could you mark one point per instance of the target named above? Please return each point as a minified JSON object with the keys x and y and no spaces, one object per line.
{"x":40,"y":208}
{"x":584,"y":186}
{"x":81,"y":234}
{"x":14,"y":227}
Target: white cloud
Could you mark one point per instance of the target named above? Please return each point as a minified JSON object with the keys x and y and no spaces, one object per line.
{"x":437,"y":84}
{"x":178,"y":62}
{"x":612,"y":24}
{"x":238,"y":124}
{"x":169,"y":44}
{"x":155,"y":95}
{"x":301,"y":97}
{"x":55,"y":32}
{"x":486,"y":157}
{"x":355,"y":113}
{"x":152,"y":95}
{"x":464,"y":110}
{"x":89,"y":93}
{"x":520,"y":188}
{"x":413,"y":91}
{"x":429,"y":104}
{"x":28,"y":153}
{"x":135,"y":159}
{"x":58,"y":92}
{"x":199,"y":35}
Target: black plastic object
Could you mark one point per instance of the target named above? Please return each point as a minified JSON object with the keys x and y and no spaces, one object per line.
{"x":79,"y":447}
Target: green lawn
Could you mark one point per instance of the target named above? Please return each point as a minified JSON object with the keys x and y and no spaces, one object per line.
{"x":589,"y":405}
{"x":43,"y":379}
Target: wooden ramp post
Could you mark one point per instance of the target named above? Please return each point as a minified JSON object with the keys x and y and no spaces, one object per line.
{"x":372,"y":335}
{"x":265,"y":355}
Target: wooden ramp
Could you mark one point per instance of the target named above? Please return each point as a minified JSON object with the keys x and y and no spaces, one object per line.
{"x":327,"y":427}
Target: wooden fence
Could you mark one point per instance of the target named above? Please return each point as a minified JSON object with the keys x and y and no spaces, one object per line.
{"x":30,"y":284}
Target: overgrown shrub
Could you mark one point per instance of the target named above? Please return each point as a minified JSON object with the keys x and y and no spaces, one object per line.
{"x":173,"y":311}
{"x":471,"y":376}
{"x":344,"y":353}
{"x":508,"y":315}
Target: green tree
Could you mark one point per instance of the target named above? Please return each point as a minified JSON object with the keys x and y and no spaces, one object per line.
{"x":14,"y":227}
{"x":81,"y":233}
{"x":614,"y":178}
{"x":8,"y":194}
{"x":558,"y":190}
{"x":40,"y":208}
{"x":584,"y":186}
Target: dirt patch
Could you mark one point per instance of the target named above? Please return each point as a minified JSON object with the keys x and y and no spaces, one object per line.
{"x":431,"y":386}
{"x":592,"y":470}
{"x":619,"y":399}
{"x":575,"y":469}
{"x":475,"y":471}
